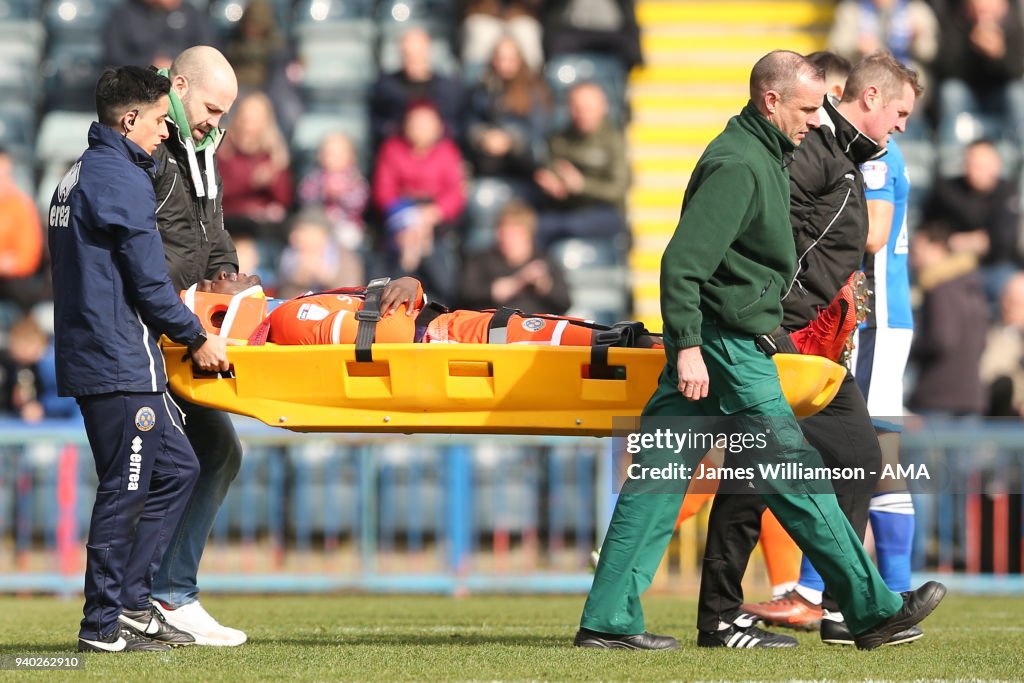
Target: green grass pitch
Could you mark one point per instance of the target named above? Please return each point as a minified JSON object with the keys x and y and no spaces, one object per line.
{"x":406,"y":638}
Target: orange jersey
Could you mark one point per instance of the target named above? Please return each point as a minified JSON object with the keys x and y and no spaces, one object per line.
{"x":471,"y":327}
{"x":330,"y":319}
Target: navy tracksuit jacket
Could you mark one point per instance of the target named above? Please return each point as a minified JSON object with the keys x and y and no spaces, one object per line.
{"x":113,"y":299}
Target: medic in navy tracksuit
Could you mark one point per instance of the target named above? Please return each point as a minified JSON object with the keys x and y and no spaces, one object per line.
{"x":113,"y":300}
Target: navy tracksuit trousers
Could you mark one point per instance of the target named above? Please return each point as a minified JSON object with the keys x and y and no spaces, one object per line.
{"x":146,"y":470}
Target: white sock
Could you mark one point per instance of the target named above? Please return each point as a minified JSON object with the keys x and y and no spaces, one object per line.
{"x":809,"y":594}
{"x":781,"y":589}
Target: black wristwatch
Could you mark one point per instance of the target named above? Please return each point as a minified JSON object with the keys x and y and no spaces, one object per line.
{"x":197,"y":342}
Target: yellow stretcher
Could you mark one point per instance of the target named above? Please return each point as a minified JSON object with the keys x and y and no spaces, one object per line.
{"x":454,"y":388}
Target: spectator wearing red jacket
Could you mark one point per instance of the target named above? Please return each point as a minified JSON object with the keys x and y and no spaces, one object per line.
{"x":418,"y":187}
{"x":254,"y":163}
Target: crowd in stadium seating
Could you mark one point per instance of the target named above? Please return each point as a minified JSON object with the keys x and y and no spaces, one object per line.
{"x":385,"y":137}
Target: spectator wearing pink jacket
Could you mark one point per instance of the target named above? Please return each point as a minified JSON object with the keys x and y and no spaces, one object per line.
{"x":418,"y":187}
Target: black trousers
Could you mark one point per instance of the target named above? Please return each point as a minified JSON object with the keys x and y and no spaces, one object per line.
{"x":845,"y":437}
{"x":146,"y":470}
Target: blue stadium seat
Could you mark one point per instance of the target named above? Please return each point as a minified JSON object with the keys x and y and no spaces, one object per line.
{"x":562,"y":72}
{"x":70,"y":72}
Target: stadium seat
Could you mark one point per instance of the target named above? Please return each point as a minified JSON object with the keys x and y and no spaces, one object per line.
{"x":18,"y":83}
{"x":77,"y":18}
{"x":486,"y":198}
{"x":919,"y":156}
{"x":70,"y":72}
{"x":20,"y":9}
{"x":334,"y":20}
{"x":562,"y":72}
{"x":336,"y":73}
{"x":598,"y":281}
{"x":21,"y":24}
{"x":63,"y":136}
{"x":226,"y":13}
{"x":17,"y":123}
{"x":434,"y":15}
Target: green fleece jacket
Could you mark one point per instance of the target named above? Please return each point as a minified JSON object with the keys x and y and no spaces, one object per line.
{"x":733,"y":251}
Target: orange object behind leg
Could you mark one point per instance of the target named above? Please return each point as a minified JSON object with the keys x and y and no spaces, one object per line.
{"x":781,"y":554}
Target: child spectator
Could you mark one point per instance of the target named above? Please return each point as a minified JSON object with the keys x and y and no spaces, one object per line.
{"x":28,"y":380}
{"x":337,"y":187}
{"x":314,"y":261}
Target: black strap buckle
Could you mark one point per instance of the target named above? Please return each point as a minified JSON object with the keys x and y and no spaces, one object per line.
{"x":368,"y":317}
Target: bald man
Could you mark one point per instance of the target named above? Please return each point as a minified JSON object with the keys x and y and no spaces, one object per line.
{"x":722,"y":278}
{"x":191,"y":222}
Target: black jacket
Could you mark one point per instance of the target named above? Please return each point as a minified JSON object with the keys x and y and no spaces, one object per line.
{"x":191,"y":226}
{"x":951,"y":330}
{"x":829,"y":214}
{"x":964,"y":209}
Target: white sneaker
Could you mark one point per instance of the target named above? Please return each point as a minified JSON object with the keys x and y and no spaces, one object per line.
{"x":192,"y":618}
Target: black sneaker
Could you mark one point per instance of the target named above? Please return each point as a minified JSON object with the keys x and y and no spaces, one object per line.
{"x":916,"y":606}
{"x":743,"y":637}
{"x":121,"y":640}
{"x":613,"y":641}
{"x":152,"y":625}
{"x":837,"y":633}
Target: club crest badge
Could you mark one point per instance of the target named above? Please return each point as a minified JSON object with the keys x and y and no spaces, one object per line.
{"x":145,"y":419}
{"x":68,"y":183}
{"x":534,"y":324}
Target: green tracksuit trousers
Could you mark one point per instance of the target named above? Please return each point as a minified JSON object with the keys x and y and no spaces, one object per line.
{"x":743,"y":382}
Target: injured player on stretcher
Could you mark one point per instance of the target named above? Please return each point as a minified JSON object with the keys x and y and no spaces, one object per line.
{"x":405,"y":316}
{"x":402,"y":314}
